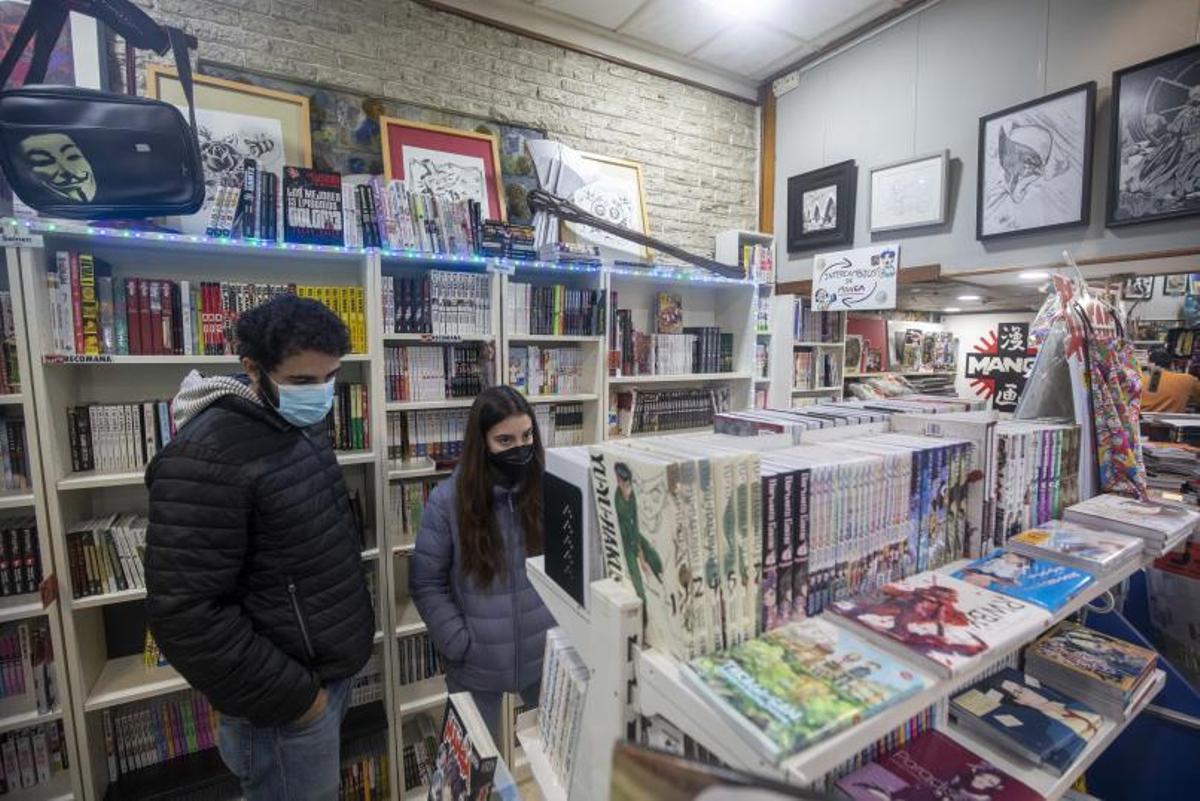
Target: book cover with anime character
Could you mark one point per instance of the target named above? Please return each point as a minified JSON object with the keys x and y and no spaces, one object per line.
{"x":1096,"y":658}
{"x":947,"y":621}
{"x":1072,"y":544}
{"x":1039,"y":581}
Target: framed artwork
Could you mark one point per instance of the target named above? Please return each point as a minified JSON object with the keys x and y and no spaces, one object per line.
{"x":1152,"y":171}
{"x":1193,"y":285}
{"x":236,"y":121}
{"x":1175,"y":285}
{"x":1035,"y":165}
{"x":1138,"y":288}
{"x":617,"y":194}
{"x":909,"y":193}
{"x":77,"y":58}
{"x":821,"y":207}
{"x":854,"y":354}
{"x":447,"y":162}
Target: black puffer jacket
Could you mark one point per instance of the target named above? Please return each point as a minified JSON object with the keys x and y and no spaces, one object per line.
{"x":255,"y":586}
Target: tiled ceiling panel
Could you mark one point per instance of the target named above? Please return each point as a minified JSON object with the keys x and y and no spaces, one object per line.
{"x":678,"y":25}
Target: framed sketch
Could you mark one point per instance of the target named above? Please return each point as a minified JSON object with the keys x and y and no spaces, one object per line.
{"x":617,"y":194}
{"x":446,"y":162}
{"x":1035,"y":165}
{"x":1153,"y":171}
{"x":1140,"y":287}
{"x":820,"y":210}
{"x":854,"y":354}
{"x":236,"y":121}
{"x":910,"y":193}
{"x":1175,"y":285}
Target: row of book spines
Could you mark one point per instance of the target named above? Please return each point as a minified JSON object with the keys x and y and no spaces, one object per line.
{"x":434,"y":372}
{"x":20,"y":557}
{"x":10,"y":366}
{"x":140,"y":738}
{"x":25,"y":656}
{"x":559,"y":310}
{"x":436,"y":434}
{"x":32,"y":756}
{"x":409,"y":499}
{"x":419,"y":660}
{"x":13,"y":456}
{"x":364,"y":779}
{"x":104,"y":561}
{"x":116,"y":437}
{"x":893,"y":740}
{"x":442,"y":303}
{"x":349,"y":420}
{"x":390,"y":215}
{"x":258,"y":212}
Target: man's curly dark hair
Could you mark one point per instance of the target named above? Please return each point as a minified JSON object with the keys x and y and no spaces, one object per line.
{"x":287,"y":324}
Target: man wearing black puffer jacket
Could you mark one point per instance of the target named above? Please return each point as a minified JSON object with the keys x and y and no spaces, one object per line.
{"x":255,"y":587}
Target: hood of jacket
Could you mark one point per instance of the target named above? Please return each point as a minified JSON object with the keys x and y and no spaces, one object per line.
{"x":198,"y":392}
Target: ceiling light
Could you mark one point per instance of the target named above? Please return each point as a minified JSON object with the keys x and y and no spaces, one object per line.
{"x":1033,"y":275}
{"x":952,"y":309}
{"x":968,"y":297}
{"x":743,"y":8}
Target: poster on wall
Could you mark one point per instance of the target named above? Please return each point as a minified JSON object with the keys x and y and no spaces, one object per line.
{"x":855,"y":280}
{"x":999,"y":365}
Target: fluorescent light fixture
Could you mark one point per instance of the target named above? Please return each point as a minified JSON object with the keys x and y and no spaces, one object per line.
{"x":1033,"y":275}
{"x":968,"y":297}
{"x":952,"y":309}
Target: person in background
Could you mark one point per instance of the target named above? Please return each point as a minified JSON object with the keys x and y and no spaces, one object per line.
{"x":1164,"y":390}
{"x":467,"y":577}
{"x":254,"y":578}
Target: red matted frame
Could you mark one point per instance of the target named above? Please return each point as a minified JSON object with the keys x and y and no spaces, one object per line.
{"x":397,"y":133}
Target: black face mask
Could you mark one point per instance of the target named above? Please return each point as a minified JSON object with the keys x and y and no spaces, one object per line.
{"x":512,"y":464}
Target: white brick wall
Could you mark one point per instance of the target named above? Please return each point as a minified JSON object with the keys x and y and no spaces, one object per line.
{"x":697,"y":148}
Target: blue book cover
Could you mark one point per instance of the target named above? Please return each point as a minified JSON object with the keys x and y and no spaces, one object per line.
{"x":1029,"y":717}
{"x":1038,"y":581}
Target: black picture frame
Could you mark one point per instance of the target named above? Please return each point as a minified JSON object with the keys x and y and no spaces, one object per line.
{"x":842,"y":176}
{"x":1127,"y":88}
{"x":1139,"y":287}
{"x":1175,"y":291}
{"x":1085,"y":173}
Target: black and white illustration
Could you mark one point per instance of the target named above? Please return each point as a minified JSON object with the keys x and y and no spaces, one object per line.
{"x":1174,"y":285}
{"x":1155,"y":169}
{"x":226,"y":141}
{"x":1035,"y":164}
{"x":1138,"y":288}
{"x":820,"y":208}
{"x":447,"y":175}
{"x":59,"y":167}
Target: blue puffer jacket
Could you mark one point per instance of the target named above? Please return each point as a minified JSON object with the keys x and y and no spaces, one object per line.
{"x":491,"y":638}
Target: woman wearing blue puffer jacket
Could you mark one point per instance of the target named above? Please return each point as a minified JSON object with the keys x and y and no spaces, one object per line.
{"x":467,"y":576}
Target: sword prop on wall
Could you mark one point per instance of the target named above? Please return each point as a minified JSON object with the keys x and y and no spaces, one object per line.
{"x":541,"y":200}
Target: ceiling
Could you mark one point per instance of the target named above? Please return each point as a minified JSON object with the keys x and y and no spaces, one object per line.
{"x":731,"y":45}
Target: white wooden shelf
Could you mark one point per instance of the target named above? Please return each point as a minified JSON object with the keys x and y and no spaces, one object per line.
{"x":417,"y":406}
{"x":93,"y":479}
{"x":408,"y":620}
{"x":421,"y":468}
{"x":817,"y":390}
{"x":61,"y":360}
{"x":108,"y":598}
{"x":581,"y":397}
{"x":127,"y":679}
{"x":438,"y":339}
{"x":569,"y":615}
{"x":16,"y":500}
{"x":406,"y":548}
{"x":543,"y":773}
{"x":1044,"y":782}
{"x":422,"y":696}
{"x":347,"y":458}
{"x":370,"y":553}
{"x":555,"y":338}
{"x":685,"y":378}
{"x":811,"y":343}
{"x":13,"y":399}
{"x":26,"y":719}
{"x":20,"y":607}
{"x":662,"y":691}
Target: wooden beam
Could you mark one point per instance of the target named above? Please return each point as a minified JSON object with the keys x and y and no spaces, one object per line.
{"x":1089,"y":261}
{"x":919,"y":274}
{"x":766,"y":160}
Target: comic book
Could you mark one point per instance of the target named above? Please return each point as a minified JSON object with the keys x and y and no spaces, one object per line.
{"x":800,"y":683}
{"x":1098,"y":552}
{"x":1104,"y":671}
{"x":1161,"y":525}
{"x":1039,"y":581}
{"x":947,"y":621}
{"x":466,"y":757}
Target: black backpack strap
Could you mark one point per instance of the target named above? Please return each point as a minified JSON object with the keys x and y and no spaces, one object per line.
{"x":35,"y":25}
{"x":183,"y":64}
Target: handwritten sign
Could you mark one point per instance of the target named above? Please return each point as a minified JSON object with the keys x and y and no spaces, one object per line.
{"x":850,"y":280}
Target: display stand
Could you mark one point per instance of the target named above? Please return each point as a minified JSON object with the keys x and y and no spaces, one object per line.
{"x":728,"y":249}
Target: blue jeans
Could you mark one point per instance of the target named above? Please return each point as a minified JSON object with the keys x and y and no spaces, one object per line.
{"x":288,"y":763}
{"x":491,"y":706}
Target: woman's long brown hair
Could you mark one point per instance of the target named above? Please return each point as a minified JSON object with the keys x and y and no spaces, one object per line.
{"x":478,"y":536}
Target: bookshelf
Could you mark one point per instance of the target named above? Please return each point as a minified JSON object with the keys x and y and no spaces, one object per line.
{"x":706,"y":300}
{"x":21,"y":711}
{"x":102,"y":634}
{"x":730,"y":247}
{"x":811,"y":338}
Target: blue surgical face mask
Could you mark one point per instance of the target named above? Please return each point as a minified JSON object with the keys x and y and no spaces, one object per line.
{"x":303,"y":405}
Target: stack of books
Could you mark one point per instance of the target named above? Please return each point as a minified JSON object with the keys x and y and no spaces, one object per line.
{"x":349,"y":422}
{"x":28,"y":679}
{"x":505,"y":240}
{"x":1171,"y":466}
{"x":436,"y":372}
{"x":436,"y":435}
{"x":20,"y":556}
{"x":1108,"y":674}
{"x":1098,"y":552}
{"x":798,"y":684}
{"x":107,"y":555}
{"x":935,"y":767}
{"x":816,"y":326}
{"x":1027,"y":578}
{"x":114,"y":437}
{"x":570,"y":253}
{"x":1160,"y":526}
{"x":10,"y":368}
{"x":32,"y":756}
{"x":560,"y":424}
{"x":439,"y":303}
{"x":1021,"y":715}
{"x":392,"y":216}
{"x":560,"y":710}
{"x":534,"y":370}
{"x":554,"y":309}
{"x":419,"y":660}
{"x":1029,"y":482}
{"x":640,"y":411}
{"x":148,"y":733}
{"x":93,"y":313}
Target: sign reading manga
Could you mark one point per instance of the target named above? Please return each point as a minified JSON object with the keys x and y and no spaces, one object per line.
{"x":998,"y":367}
